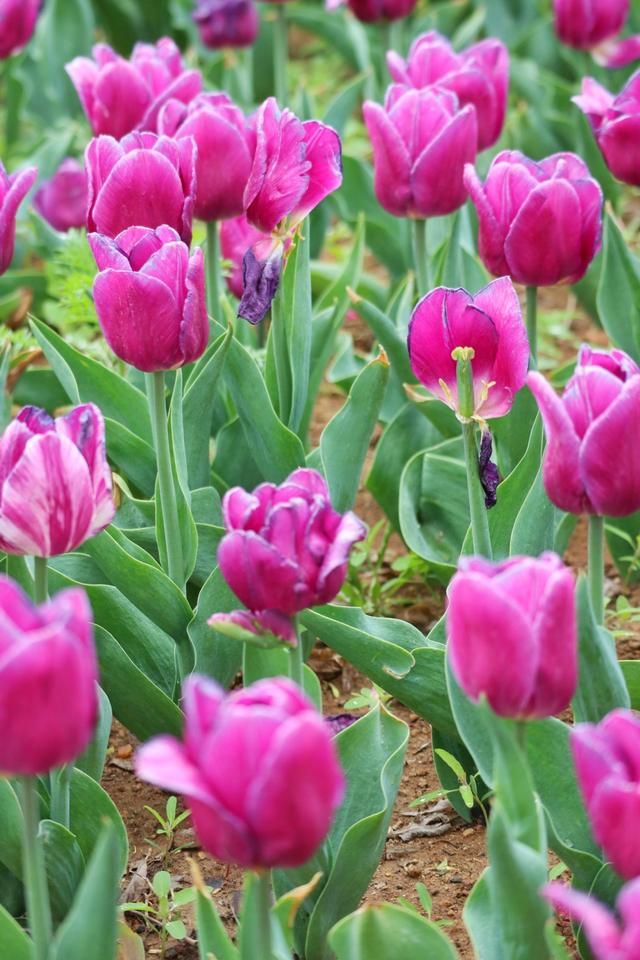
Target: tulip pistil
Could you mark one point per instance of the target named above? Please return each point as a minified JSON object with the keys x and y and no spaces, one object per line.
{"x":463,"y":357}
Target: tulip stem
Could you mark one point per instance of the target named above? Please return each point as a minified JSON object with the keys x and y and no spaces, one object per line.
{"x":532,"y":326}
{"x":280,"y":54}
{"x":420,"y":256}
{"x":35,"y":878}
{"x":61,"y":795}
{"x":214,"y":286}
{"x":166,"y":488}
{"x":479,"y":519}
{"x":263,"y":903}
{"x":40,"y":580}
{"x":596,"y":567}
{"x":296,"y":661}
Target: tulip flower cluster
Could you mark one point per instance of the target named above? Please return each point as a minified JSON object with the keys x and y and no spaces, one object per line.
{"x":595,"y":25}
{"x":17,"y":20}
{"x":616,"y":125}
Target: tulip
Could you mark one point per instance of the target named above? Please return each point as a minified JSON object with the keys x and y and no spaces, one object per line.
{"x":55,"y":483}
{"x":236,"y":237}
{"x":607,"y":760}
{"x":512,"y":634}
{"x":540,"y":223}
{"x":17,"y":23}
{"x":616,"y":125}
{"x":62,"y":200}
{"x":13,"y":189}
{"x":150,"y":297}
{"x":48,"y":680}
{"x":285,"y":549}
{"x":143,"y":181}
{"x":370,"y":11}
{"x":258,"y":769}
{"x":608,"y":938}
{"x":490,"y":322}
{"x":225,"y":142}
{"x":227,"y":23}
{"x":120,"y":95}
{"x":585,"y":24}
{"x":478,"y":76}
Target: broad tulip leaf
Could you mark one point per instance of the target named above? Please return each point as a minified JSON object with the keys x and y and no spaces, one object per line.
{"x":14,"y":940}
{"x":388,"y":334}
{"x":12,"y":828}
{"x":133,"y":456}
{"x":601,"y":686}
{"x":213,"y":939}
{"x":378,"y":931}
{"x":91,"y":806}
{"x":295,"y":313}
{"x":197,"y":407}
{"x":64,"y":864}
{"x":93,"y":759}
{"x":216,"y":655}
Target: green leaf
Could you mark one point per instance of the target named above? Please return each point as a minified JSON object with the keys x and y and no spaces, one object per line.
{"x":619,"y":291}
{"x":388,"y":334}
{"x":14,"y":941}
{"x":134,"y":457}
{"x":12,"y":828}
{"x":93,"y":759}
{"x":343,"y":105}
{"x":216,"y":655}
{"x":65,"y":30}
{"x":91,"y":806}
{"x":161,"y":883}
{"x":176,"y":929}
{"x":213,"y":939}
{"x":64,"y":864}
{"x":378,"y":931}
{"x":198,"y":405}
{"x":296,"y":313}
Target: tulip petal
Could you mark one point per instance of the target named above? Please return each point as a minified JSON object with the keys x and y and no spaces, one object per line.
{"x":619,"y":140}
{"x":594,"y":758}
{"x":260,"y":281}
{"x":437,"y":176}
{"x":84,"y":426}
{"x":557,"y":673}
{"x":334,"y":566}
{"x":164,"y":762}
{"x":16,"y":611}
{"x":258,"y":575}
{"x":201,"y":702}
{"x":601,"y":928}
{"x":499,"y":300}
{"x":610,"y":456}
{"x":120,"y":98}
{"x":194,"y":331}
{"x":491,"y":233}
{"x":323,"y":151}
{"x":184,"y":88}
{"x":614,"y":815}
{"x":622,"y":730}
{"x":392,"y":163}
{"x":19,"y":185}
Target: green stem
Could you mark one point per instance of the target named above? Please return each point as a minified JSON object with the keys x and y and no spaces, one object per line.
{"x":40,"y":580}
{"x":420,"y":255}
{"x":532,"y":325}
{"x":214,"y":279}
{"x":263,"y":882}
{"x":280,"y":54}
{"x":396,"y":35}
{"x":296,"y":660}
{"x":479,"y":520}
{"x":168,"y":505}
{"x":596,"y":566}
{"x":280,"y":355}
{"x":61,"y":795}
{"x":35,"y":878}
{"x":245,"y":68}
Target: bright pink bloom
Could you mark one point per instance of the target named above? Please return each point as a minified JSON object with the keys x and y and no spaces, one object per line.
{"x":609,"y":938}
{"x":607,"y":760}
{"x":512,"y":634}
{"x":370,"y":11}
{"x":236,"y":237}
{"x":258,"y":769}
{"x":295,"y":166}
{"x":142,"y":181}
{"x":120,"y":95}
{"x":616,"y":125}
{"x":55,"y":483}
{"x":62,"y":200}
{"x":226,"y":144}
{"x":13,"y":189}
{"x":286,"y":548}
{"x":540,"y":223}
{"x":227,"y":23}
{"x":17,"y":23}
{"x":48,"y":680}
{"x":490,"y":322}
{"x":585,"y":24}
{"x":478,"y":76}
{"x":592,"y":459}
{"x":421,"y":143}
{"x":150,"y":297}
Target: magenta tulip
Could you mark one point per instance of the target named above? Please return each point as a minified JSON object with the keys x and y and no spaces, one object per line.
{"x":478,"y":76}
{"x":48,"y":680}
{"x":227,"y":23}
{"x":490,"y":322}
{"x":585,"y":24}
{"x":226,"y":144}
{"x":608,"y":937}
{"x":512,"y":634}
{"x":120,"y":95}
{"x":150,"y":297}
{"x":258,"y":769}
{"x":286,"y":548}
{"x":592,"y":461}
{"x":607,"y":759}
{"x":421,"y":143}
{"x":62,"y":200}
{"x":540,"y":223}
{"x":55,"y":483}
{"x":13,"y":189}
{"x":616,"y":125}
{"x":370,"y":11}
{"x":143,"y":181}
{"x":17,"y":23}
{"x":236,"y":237}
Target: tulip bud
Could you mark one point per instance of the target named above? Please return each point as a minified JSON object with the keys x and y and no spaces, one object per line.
{"x":591,"y":463}
{"x":13,"y":189}
{"x":490,"y":324}
{"x":512,"y":634}
{"x":226,"y":144}
{"x":540,"y":223}
{"x":616,"y":125}
{"x":607,"y":759}
{"x":286,"y":548}
{"x":258,"y":769}
{"x":119,"y":95}
{"x":227,"y":23}
{"x":237,"y":236}
{"x":421,"y":143}
{"x":608,"y":937}
{"x":143,"y":181}
{"x":150,"y":298}
{"x":370,"y":11}
{"x":584,"y":24}
{"x":62,"y":200}
{"x":478,"y":76}
{"x":17,"y":23}
{"x":48,"y":680}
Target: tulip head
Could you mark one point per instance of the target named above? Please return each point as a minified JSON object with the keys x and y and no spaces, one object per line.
{"x":371,"y":11}
{"x":616,"y":125}
{"x":227,"y":23}
{"x":607,"y":760}
{"x":150,"y":297}
{"x":421,"y":143}
{"x":13,"y":189}
{"x":62,"y":200}
{"x":585,"y":24}
{"x":258,"y":769}
{"x":592,"y":463}
{"x":17,"y":23}
{"x":489,"y":323}
{"x":478,"y":76}
{"x":608,"y":937}
{"x":48,"y":680}
{"x":512,"y":634}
